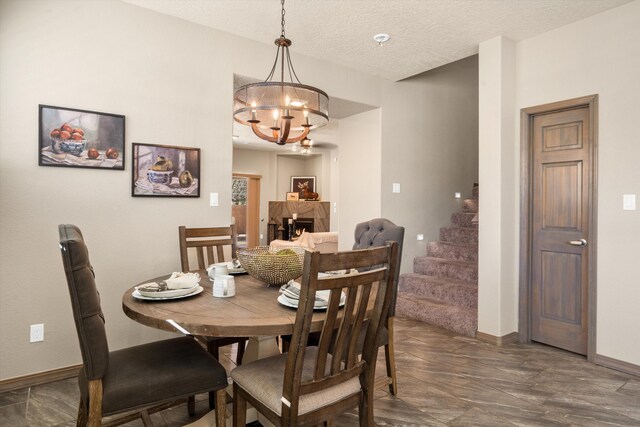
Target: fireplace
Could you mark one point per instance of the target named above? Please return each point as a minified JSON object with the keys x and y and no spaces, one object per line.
{"x":301,"y":224}
{"x":311,"y":215}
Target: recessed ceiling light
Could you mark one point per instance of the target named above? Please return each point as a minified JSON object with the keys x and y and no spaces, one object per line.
{"x":381,"y":38}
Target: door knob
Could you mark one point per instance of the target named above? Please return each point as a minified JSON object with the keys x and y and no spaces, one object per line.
{"x":581,"y":242}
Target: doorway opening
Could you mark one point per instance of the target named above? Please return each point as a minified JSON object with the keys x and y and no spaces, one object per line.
{"x":245,"y":209}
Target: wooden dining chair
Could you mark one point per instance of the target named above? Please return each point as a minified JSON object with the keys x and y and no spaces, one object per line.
{"x":209,"y":244}
{"x":310,"y":385}
{"x":212,"y":245}
{"x":145,"y":378}
{"x":377,"y":232}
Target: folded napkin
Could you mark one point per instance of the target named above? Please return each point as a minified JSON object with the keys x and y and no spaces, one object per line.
{"x":182,"y":280}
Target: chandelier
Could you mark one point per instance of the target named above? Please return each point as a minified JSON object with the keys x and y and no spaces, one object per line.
{"x":281,"y":111}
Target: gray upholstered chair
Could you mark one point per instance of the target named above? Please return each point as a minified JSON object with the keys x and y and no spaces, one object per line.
{"x":371,"y":234}
{"x":310,"y":385}
{"x":144,"y":378}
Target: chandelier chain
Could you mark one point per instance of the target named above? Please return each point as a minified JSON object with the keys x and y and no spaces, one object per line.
{"x":282,"y":21}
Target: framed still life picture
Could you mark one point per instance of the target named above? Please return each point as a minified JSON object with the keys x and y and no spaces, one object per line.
{"x":79,"y":138}
{"x":304,"y":186}
{"x":165,"y":171}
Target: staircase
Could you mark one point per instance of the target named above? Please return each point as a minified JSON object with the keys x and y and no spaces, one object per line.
{"x":443,"y":288}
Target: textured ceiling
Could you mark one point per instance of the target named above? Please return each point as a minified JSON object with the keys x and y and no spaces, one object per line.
{"x":425,"y":34}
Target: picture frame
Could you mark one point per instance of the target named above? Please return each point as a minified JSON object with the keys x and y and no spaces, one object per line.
{"x":297,"y":183}
{"x":164,"y":171}
{"x":70,"y":137}
{"x":293,"y":196}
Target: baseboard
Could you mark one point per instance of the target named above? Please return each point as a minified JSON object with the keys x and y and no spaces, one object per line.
{"x":618,"y":365}
{"x":39,"y":378}
{"x":499,"y":341}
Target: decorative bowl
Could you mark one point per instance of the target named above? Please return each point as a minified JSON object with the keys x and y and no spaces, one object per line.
{"x":71,"y":146}
{"x":159,"y":177}
{"x":267,"y":266}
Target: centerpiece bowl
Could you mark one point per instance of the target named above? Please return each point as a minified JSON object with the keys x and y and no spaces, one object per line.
{"x":274,"y":267}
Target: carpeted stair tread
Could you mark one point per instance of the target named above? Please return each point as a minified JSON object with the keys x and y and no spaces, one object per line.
{"x":461,"y":270}
{"x":467,"y":235}
{"x":443,"y":290}
{"x":470,"y":205}
{"x":450,"y":250}
{"x":461,"y":320}
{"x":463,"y":219}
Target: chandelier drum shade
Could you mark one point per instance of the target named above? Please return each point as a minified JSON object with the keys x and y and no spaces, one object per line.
{"x":281,"y":111}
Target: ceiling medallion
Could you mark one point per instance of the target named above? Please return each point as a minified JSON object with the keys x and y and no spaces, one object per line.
{"x":281,"y":111}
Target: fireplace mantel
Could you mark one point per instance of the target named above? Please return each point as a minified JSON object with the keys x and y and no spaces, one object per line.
{"x":318,"y":211}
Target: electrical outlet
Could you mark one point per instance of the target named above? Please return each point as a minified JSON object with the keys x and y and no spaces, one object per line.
{"x":37,"y":333}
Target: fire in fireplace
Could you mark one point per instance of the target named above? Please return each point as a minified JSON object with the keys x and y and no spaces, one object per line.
{"x":302,"y":224}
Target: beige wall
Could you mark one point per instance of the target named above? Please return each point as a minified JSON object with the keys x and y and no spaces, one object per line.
{"x":429,"y":147}
{"x":599,"y":55}
{"x":497,"y":267}
{"x":359,"y":165}
{"x":173,"y":81}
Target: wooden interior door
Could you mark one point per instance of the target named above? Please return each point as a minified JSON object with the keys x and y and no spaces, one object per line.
{"x":252,"y":225}
{"x":561,"y":190}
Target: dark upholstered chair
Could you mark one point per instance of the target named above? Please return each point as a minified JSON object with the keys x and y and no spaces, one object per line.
{"x":371,"y":234}
{"x":310,"y":385}
{"x":144,"y":378}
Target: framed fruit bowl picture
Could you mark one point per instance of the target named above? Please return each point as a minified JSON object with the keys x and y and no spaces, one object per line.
{"x":165,"y":171}
{"x":80,"y":138}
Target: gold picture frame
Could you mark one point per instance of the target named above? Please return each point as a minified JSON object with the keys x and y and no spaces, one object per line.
{"x":292,"y":197}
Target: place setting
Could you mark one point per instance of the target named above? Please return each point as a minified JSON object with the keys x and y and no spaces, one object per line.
{"x":178,"y":285}
{"x":290,"y":296}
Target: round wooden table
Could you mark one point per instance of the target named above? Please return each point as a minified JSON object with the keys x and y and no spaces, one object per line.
{"x":253,"y":312}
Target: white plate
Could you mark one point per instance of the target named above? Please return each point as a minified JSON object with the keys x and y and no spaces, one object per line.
{"x":293,"y":303}
{"x":169,"y":293}
{"x":136,"y":294}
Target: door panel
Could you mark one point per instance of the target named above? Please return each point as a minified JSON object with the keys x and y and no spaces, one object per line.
{"x":560,"y":214}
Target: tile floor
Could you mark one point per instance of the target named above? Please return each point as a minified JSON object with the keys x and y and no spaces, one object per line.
{"x":444,"y":380}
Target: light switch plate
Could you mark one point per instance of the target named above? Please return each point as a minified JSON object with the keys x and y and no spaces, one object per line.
{"x":395,"y":188}
{"x":629,"y":202}
{"x":456,"y":195}
{"x":213,"y":199}
{"x":420,"y":237}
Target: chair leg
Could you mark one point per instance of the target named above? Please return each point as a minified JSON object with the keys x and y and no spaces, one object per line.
{"x":146,"y":419}
{"x":390,"y":358}
{"x":191,"y":406}
{"x":82,"y":415}
{"x":95,"y":403}
{"x":214,"y":349}
{"x":221,"y":407}
{"x":241,"y":346}
{"x":239,"y":408}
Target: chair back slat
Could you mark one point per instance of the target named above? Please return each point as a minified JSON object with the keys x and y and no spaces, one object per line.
{"x":209,"y":245}
{"x":337,"y":352}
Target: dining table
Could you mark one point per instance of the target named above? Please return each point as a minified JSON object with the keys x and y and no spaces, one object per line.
{"x":254,"y":312}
